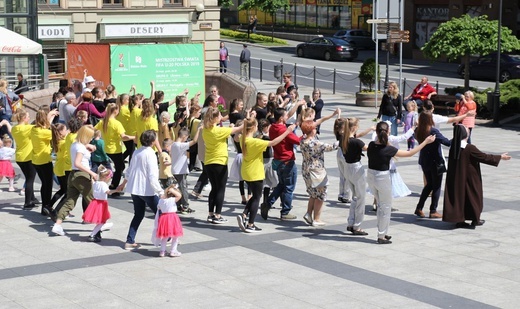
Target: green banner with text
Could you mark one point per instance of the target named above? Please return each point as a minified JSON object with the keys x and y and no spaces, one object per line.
{"x":173,"y":68}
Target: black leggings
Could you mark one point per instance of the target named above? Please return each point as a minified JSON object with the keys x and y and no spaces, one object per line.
{"x":130,"y":147}
{"x":241,"y":188}
{"x":252,"y":205}
{"x":202,"y":181}
{"x":29,"y":172}
{"x":119,"y":167}
{"x":218,"y":175}
{"x":45,"y":174}
{"x":433,"y":185}
{"x":62,"y":192}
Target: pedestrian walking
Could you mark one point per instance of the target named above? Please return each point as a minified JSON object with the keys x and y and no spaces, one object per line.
{"x":245,"y":59}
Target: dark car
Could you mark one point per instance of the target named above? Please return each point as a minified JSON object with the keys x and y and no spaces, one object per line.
{"x":358,"y":38}
{"x":485,"y":67}
{"x":327,"y":48}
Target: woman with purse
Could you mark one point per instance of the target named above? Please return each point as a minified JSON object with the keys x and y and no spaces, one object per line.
{"x":432,"y":164}
{"x":391,"y":107}
{"x":314,"y":172}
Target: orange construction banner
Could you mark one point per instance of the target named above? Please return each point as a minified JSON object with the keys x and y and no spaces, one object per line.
{"x":95,"y":58}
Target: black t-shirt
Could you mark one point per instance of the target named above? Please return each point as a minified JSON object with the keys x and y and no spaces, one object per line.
{"x":355,"y":150}
{"x":234,"y":117}
{"x":261,"y":113}
{"x":268,"y":153}
{"x":379,"y":156}
{"x":100,"y":105}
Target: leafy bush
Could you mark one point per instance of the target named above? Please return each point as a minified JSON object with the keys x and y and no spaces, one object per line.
{"x":509,"y":95}
{"x":252,"y":36}
{"x":367,"y":74}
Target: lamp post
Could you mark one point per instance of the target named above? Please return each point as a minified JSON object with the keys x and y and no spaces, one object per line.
{"x":387,"y":43}
{"x":496,"y":94}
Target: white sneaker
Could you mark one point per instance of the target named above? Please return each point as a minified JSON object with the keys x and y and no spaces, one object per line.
{"x":58,"y":230}
{"x":107,"y":226}
{"x":308,"y":219}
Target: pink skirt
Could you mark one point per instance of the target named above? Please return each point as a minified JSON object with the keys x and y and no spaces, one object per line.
{"x":6,"y":169}
{"x":97,"y":212}
{"x":169,"y":226}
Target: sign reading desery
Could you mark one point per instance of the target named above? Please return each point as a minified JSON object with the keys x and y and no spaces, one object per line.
{"x":173,"y":68}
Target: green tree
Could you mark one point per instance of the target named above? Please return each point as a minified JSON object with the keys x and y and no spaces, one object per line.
{"x":466,"y":36}
{"x":267,"y":6}
{"x":225,"y":3}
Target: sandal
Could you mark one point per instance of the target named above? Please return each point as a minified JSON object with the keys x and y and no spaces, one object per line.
{"x":350,"y":228}
{"x":359,"y":232}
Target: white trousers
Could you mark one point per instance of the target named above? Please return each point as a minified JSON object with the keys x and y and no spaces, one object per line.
{"x":381,"y":186}
{"x":344,"y":191}
{"x":357,"y":184}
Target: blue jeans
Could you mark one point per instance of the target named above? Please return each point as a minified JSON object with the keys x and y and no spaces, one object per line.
{"x":287,"y":174}
{"x":393,"y":120}
{"x":140,"y":203}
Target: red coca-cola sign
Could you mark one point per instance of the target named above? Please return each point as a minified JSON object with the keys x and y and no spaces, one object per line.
{"x":11,"y":49}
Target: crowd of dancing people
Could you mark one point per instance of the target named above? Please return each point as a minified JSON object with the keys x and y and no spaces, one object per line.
{"x":82,"y":139}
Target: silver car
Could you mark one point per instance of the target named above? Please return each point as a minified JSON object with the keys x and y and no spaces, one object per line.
{"x":361,"y":39}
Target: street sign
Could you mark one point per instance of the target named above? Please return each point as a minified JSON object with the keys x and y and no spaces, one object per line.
{"x":377,"y":21}
{"x":383,"y":28}
{"x":399,"y":36}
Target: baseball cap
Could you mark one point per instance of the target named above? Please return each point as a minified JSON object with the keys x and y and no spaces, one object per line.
{"x":458,"y":96}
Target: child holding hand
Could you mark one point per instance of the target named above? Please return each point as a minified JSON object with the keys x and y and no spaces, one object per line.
{"x":167,"y":222}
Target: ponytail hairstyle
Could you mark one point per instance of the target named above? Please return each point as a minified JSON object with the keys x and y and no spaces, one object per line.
{"x":349,"y":127}
{"x":210,"y":99}
{"x":111,"y":90}
{"x":109,"y":111}
{"x":250,"y":125}
{"x":121,"y":99}
{"x":56,"y":135}
{"x":133,"y":101}
{"x":147,"y":109}
{"x":104,"y":173}
{"x":21,"y":113}
{"x":158,"y":96}
{"x":339,"y":127}
{"x":211,"y":117}
{"x":41,"y":120}
{"x":382,"y":132}
{"x":424,"y":126}
{"x":193,"y":109}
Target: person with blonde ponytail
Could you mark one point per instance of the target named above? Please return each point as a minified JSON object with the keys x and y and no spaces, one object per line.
{"x":113,"y":132}
{"x":352,"y":148}
{"x":22,"y":137}
{"x":216,"y":160}
{"x":147,"y":121}
{"x":41,"y":137}
{"x":59,"y":134}
{"x":252,"y":169}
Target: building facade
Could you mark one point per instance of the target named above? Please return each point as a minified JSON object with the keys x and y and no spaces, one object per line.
{"x":117,"y":21}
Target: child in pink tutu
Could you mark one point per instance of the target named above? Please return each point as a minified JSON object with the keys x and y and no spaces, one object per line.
{"x":97,"y":211}
{"x":167,"y":222}
{"x":6,"y":167}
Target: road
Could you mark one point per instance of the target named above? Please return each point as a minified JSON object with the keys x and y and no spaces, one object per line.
{"x":320,"y":73}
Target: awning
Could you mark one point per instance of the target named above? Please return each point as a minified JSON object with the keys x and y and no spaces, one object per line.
{"x":131,"y":27}
{"x":11,"y":43}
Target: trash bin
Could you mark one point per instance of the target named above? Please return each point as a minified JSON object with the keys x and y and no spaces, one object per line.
{"x":278,"y":72}
{"x":490,"y":104}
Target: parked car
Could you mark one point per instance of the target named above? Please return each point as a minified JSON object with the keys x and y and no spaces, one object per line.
{"x":485,"y":67}
{"x":327,"y":48}
{"x":361,"y":39}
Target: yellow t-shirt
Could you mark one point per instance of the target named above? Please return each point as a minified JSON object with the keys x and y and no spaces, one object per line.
{"x":112,"y":136}
{"x":135,"y":118}
{"x":216,"y":145}
{"x":165,"y":132}
{"x":41,"y":143}
{"x":165,"y":171}
{"x":21,"y":134}
{"x":59,"y":165}
{"x":253,"y":161}
{"x":69,"y":140}
{"x":124,"y":117}
{"x":149,"y":123}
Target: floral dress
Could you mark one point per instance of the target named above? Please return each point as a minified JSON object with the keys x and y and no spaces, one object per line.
{"x":313,"y":167}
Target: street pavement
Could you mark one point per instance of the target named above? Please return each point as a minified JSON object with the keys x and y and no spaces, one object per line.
{"x":289,"y":264}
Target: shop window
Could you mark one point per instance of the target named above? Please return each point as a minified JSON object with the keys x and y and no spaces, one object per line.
{"x":49,"y":2}
{"x":56,"y":61}
{"x":428,"y":20}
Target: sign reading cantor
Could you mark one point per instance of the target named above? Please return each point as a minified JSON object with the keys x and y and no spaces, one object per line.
{"x":146,"y":30}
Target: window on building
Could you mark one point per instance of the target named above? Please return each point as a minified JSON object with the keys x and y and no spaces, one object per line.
{"x":49,"y":2}
{"x":113,"y":2}
{"x":172,"y":2}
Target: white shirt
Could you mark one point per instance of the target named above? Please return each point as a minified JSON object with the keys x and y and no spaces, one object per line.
{"x":6,"y":153}
{"x":167,"y":205}
{"x":76,"y":148}
{"x":179,"y":158}
{"x":438,"y":120}
{"x":99,"y":190}
{"x":143,"y":173}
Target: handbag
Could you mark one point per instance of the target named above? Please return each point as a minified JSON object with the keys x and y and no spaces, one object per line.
{"x":318,"y":177}
{"x":93,"y":120}
{"x":441,"y":167}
